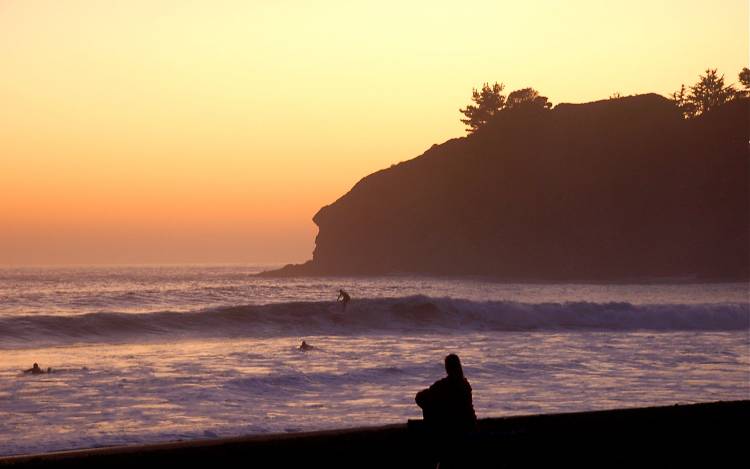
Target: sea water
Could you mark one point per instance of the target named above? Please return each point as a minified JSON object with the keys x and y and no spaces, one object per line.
{"x":146,"y":354}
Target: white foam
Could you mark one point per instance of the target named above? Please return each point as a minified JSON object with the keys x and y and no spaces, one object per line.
{"x":109,"y":394}
{"x":415,"y":313}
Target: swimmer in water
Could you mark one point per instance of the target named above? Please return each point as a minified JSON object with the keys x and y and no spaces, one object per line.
{"x":305,"y":346}
{"x":35,"y":370}
{"x":344,"y":298}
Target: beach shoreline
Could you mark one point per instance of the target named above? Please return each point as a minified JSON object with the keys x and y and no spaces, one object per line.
{"x":670,"y":433}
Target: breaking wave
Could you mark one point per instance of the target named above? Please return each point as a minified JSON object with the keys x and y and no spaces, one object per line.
{"x":386,"y":315}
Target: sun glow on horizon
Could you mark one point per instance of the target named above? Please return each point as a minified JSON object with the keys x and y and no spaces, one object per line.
{"x":212,"y":131}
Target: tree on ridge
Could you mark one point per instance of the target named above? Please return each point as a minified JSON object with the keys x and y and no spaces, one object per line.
{"x":527,"y":97}
{"x":745,"y":80}
{"x":489,"y":101}
{"x":708,"y":93}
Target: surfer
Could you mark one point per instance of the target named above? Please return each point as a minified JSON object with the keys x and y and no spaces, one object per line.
{"x":344,"y":298}
{"x":305,"y":346}
{"x":448,"y":410}
{"x":35,"y":370}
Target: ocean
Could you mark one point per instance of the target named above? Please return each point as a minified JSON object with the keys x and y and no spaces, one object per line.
{"x":143,"y":354}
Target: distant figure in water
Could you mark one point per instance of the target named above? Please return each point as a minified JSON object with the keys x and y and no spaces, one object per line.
{"x":305,"y":346}
{"x":448,"y":411}
{"x":344,"y":298}
{"x":35,"y":370}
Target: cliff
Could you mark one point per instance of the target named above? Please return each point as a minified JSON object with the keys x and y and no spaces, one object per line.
{"x":613,"y":190}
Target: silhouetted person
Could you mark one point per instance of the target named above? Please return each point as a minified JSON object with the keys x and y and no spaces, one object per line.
{"x":448,"y":411}
{"x":305,"y":346}
{"x":344,"y":298}
{"x":35,"y":370}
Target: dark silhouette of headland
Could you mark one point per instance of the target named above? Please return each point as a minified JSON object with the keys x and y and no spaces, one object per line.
{"x":614,"y":190}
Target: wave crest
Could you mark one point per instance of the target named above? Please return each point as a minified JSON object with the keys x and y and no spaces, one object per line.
{"x":408,"y":314}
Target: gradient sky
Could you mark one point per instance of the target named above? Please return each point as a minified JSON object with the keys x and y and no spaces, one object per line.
{"x":147,"y":131}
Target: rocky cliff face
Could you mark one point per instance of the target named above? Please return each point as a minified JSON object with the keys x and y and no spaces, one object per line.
{"x":611,"y":190}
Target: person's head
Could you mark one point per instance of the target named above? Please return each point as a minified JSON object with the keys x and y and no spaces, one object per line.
{"x":453,"y":366}
{"x":36,"y":366}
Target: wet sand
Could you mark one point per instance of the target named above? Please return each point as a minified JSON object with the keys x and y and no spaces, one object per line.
{"x":714,"y":433}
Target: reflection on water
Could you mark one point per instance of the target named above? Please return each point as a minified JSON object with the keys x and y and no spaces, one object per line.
{"x":120,"y":394}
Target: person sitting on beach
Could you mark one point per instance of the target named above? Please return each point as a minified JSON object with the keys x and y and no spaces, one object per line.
{"x":35,"y":370}
{"x":305,"y":346}
{"x":448,"y":410}
{"x":344,"y":298}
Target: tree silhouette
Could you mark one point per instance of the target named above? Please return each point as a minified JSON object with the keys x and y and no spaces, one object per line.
{"x":708,"y":93}
{"x":684,"y":104}
{"x":526,"y":97}
{"x":489,"y":101}
{"x":745,"y":80}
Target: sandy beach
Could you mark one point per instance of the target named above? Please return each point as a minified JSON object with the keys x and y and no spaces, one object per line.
{"x":710,"y":432}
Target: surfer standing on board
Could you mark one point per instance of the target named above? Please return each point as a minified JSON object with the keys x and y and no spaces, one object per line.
{"x":344,"y":298}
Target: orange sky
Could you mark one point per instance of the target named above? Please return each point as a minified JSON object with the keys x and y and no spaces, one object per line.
{"x":211,"y":131}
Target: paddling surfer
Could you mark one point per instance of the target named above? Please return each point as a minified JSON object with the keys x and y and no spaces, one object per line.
{"x":35,"y":370}
{"x":344,"y":298}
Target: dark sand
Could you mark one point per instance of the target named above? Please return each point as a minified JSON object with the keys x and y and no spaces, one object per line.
{"x":715,"y":434}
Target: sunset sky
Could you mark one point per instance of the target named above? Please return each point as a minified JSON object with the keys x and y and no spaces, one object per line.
{"x":147,"y":131}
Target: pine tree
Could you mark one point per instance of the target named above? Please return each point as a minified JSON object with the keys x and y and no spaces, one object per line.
{"x":489,"y":101}
{"x":708,"y":93}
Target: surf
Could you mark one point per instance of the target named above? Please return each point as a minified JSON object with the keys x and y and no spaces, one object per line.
{"x":372,"y":315}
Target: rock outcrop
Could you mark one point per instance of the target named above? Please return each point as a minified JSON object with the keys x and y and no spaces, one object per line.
{"x":614,"y":190}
